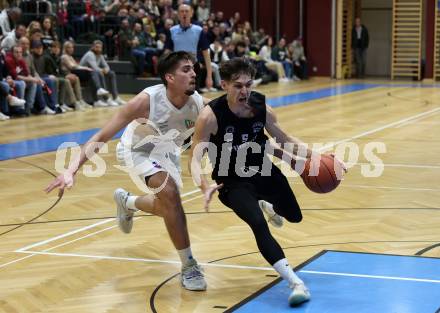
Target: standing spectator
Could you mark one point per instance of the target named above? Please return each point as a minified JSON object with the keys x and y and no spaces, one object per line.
{"x":101,"y":72}
{"x":12,"y":38}
{"x":8,"y":19}
{"x":189,"y":37}
{"x":359,"y":42}
{"x":279,"y":54}
{"x":299,"y":59}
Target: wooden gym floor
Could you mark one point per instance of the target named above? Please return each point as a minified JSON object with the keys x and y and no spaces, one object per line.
{"x":71,"y":257}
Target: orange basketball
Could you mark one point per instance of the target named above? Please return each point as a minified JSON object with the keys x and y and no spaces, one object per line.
{"x":324,"y":179}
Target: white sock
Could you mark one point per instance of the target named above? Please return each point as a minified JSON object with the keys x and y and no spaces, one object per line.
{"x":185,"y":256}
{"x":131,"y":203}
{"x":286,"y":272}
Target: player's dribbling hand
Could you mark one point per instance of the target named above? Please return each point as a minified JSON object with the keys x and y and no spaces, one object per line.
{"x":62,"y":181}
{"x":208,"y":193}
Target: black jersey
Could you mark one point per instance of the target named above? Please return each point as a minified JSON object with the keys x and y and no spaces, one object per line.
{"x":236,"y":136}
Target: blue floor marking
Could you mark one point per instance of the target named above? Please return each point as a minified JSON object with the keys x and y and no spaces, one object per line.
{"x":346,"y":294}
{"x":51,"y":143}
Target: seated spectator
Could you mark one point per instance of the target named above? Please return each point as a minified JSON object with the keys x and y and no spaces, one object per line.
{"x":101,"y":72}
{"x":33,"y":27}
{"x":280,"y":54}
{"x":67,"y":83}
{"x":125,"y":39}
{"x":21,"y":68}
{"x":12,"y":38}
{"x":51,"y":81}
{"x":266,"y":55}
{"x":144,"y":49}
{"x":160,"y":43}
{"x":202,"y":11}
{"x":49,"y":32}
{"x":259,"y":38}
{"x":299,"y":59}
{"x":84,"y":73}
{"x":11,"y":93}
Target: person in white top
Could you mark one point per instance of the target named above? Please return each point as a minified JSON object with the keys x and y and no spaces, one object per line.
{"x":159,"y":120}
{"x":266,"y":55}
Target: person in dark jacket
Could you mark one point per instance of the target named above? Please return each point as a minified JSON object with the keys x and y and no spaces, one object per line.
{"x":359,"y":42}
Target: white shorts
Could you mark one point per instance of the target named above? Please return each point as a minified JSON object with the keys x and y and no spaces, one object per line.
{"x":141,"y":165}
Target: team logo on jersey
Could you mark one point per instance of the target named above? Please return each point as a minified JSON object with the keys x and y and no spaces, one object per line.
{"x":244,"y":137}
{"x":189,"y":123}
{"x":257,"y":127}
{"x":229,"y":137}
{"x":230,"y":129}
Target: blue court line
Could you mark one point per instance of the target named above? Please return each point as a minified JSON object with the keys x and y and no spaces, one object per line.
{"x":51,"y":143}
{"x":340,"y":292}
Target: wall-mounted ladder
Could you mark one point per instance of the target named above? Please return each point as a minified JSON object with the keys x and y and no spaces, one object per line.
{"x":407,"y":39}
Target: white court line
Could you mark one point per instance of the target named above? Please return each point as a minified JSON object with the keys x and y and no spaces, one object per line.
{"x":375,"y":130}
{"x":104,"y":257}
{"x":415,"y":120}
{"x":89,"y":227}
{"x":373,"y":276}
{"x":98,"y":231}
{"x":15,"y":261}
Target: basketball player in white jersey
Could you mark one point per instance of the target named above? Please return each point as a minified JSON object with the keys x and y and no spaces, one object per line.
{"x":165,"y":114}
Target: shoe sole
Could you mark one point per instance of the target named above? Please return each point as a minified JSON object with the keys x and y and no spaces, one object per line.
{"x":193,"y":289}
{"x":120,"y":210}
{"x":271,"y":213}
{"x":298,"y":299}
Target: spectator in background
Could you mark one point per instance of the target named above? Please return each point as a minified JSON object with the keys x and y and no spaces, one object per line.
{"x":101,"y":74}
{"x":259,"y":38}
{"x":160,"y":43}
{"x":8,"y":19}
{"x":12,"y":38}
{"x":359,"y":43}
{"x":51,"y":82}
{"x":144,"y":49}
{"x":280,"y":54}
{"x":49,"y":32}
{"x":298,"y":59}
{"x":202,"y":11}
{"x":10,"y":104}
{"x":32,"y":28}
{"x":125,"y":39}
{"x":266,"y":55}
{"x":189,"y":37}
{"x":70,"y":66}
{"x":21,"y":68}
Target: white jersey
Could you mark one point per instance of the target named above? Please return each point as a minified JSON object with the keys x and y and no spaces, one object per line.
{"x":165,"y":123}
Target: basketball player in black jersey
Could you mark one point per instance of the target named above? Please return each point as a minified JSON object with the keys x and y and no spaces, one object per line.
{"x":231,"y":128}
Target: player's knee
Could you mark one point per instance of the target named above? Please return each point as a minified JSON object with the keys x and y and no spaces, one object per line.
{"x":257,"y":223}
{"x":294,"y":218}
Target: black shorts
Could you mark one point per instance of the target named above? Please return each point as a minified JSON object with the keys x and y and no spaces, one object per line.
{"x":245,"y":192}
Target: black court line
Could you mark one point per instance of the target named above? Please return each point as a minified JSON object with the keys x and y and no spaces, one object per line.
{"x":276,"y":281}
{"x":215,"y":212}
{"x":424,"y":250}
{"x":299,"y":267}
{"x":60,"y":196}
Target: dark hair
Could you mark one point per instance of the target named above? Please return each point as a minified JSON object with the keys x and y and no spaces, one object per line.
{"x":168,"y":63}
{"x":235,"y":67}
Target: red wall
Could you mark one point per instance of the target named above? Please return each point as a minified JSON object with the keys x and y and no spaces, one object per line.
{"x":289,"y":16}
{"x":430,"y":24}
{"x":318,"y":41}
{"x":266,"y":16}
{"x":229,"y":7}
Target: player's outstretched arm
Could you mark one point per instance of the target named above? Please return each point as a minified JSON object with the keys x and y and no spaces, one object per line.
{"x":136,"y":108}
{"x":206,"y":124}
